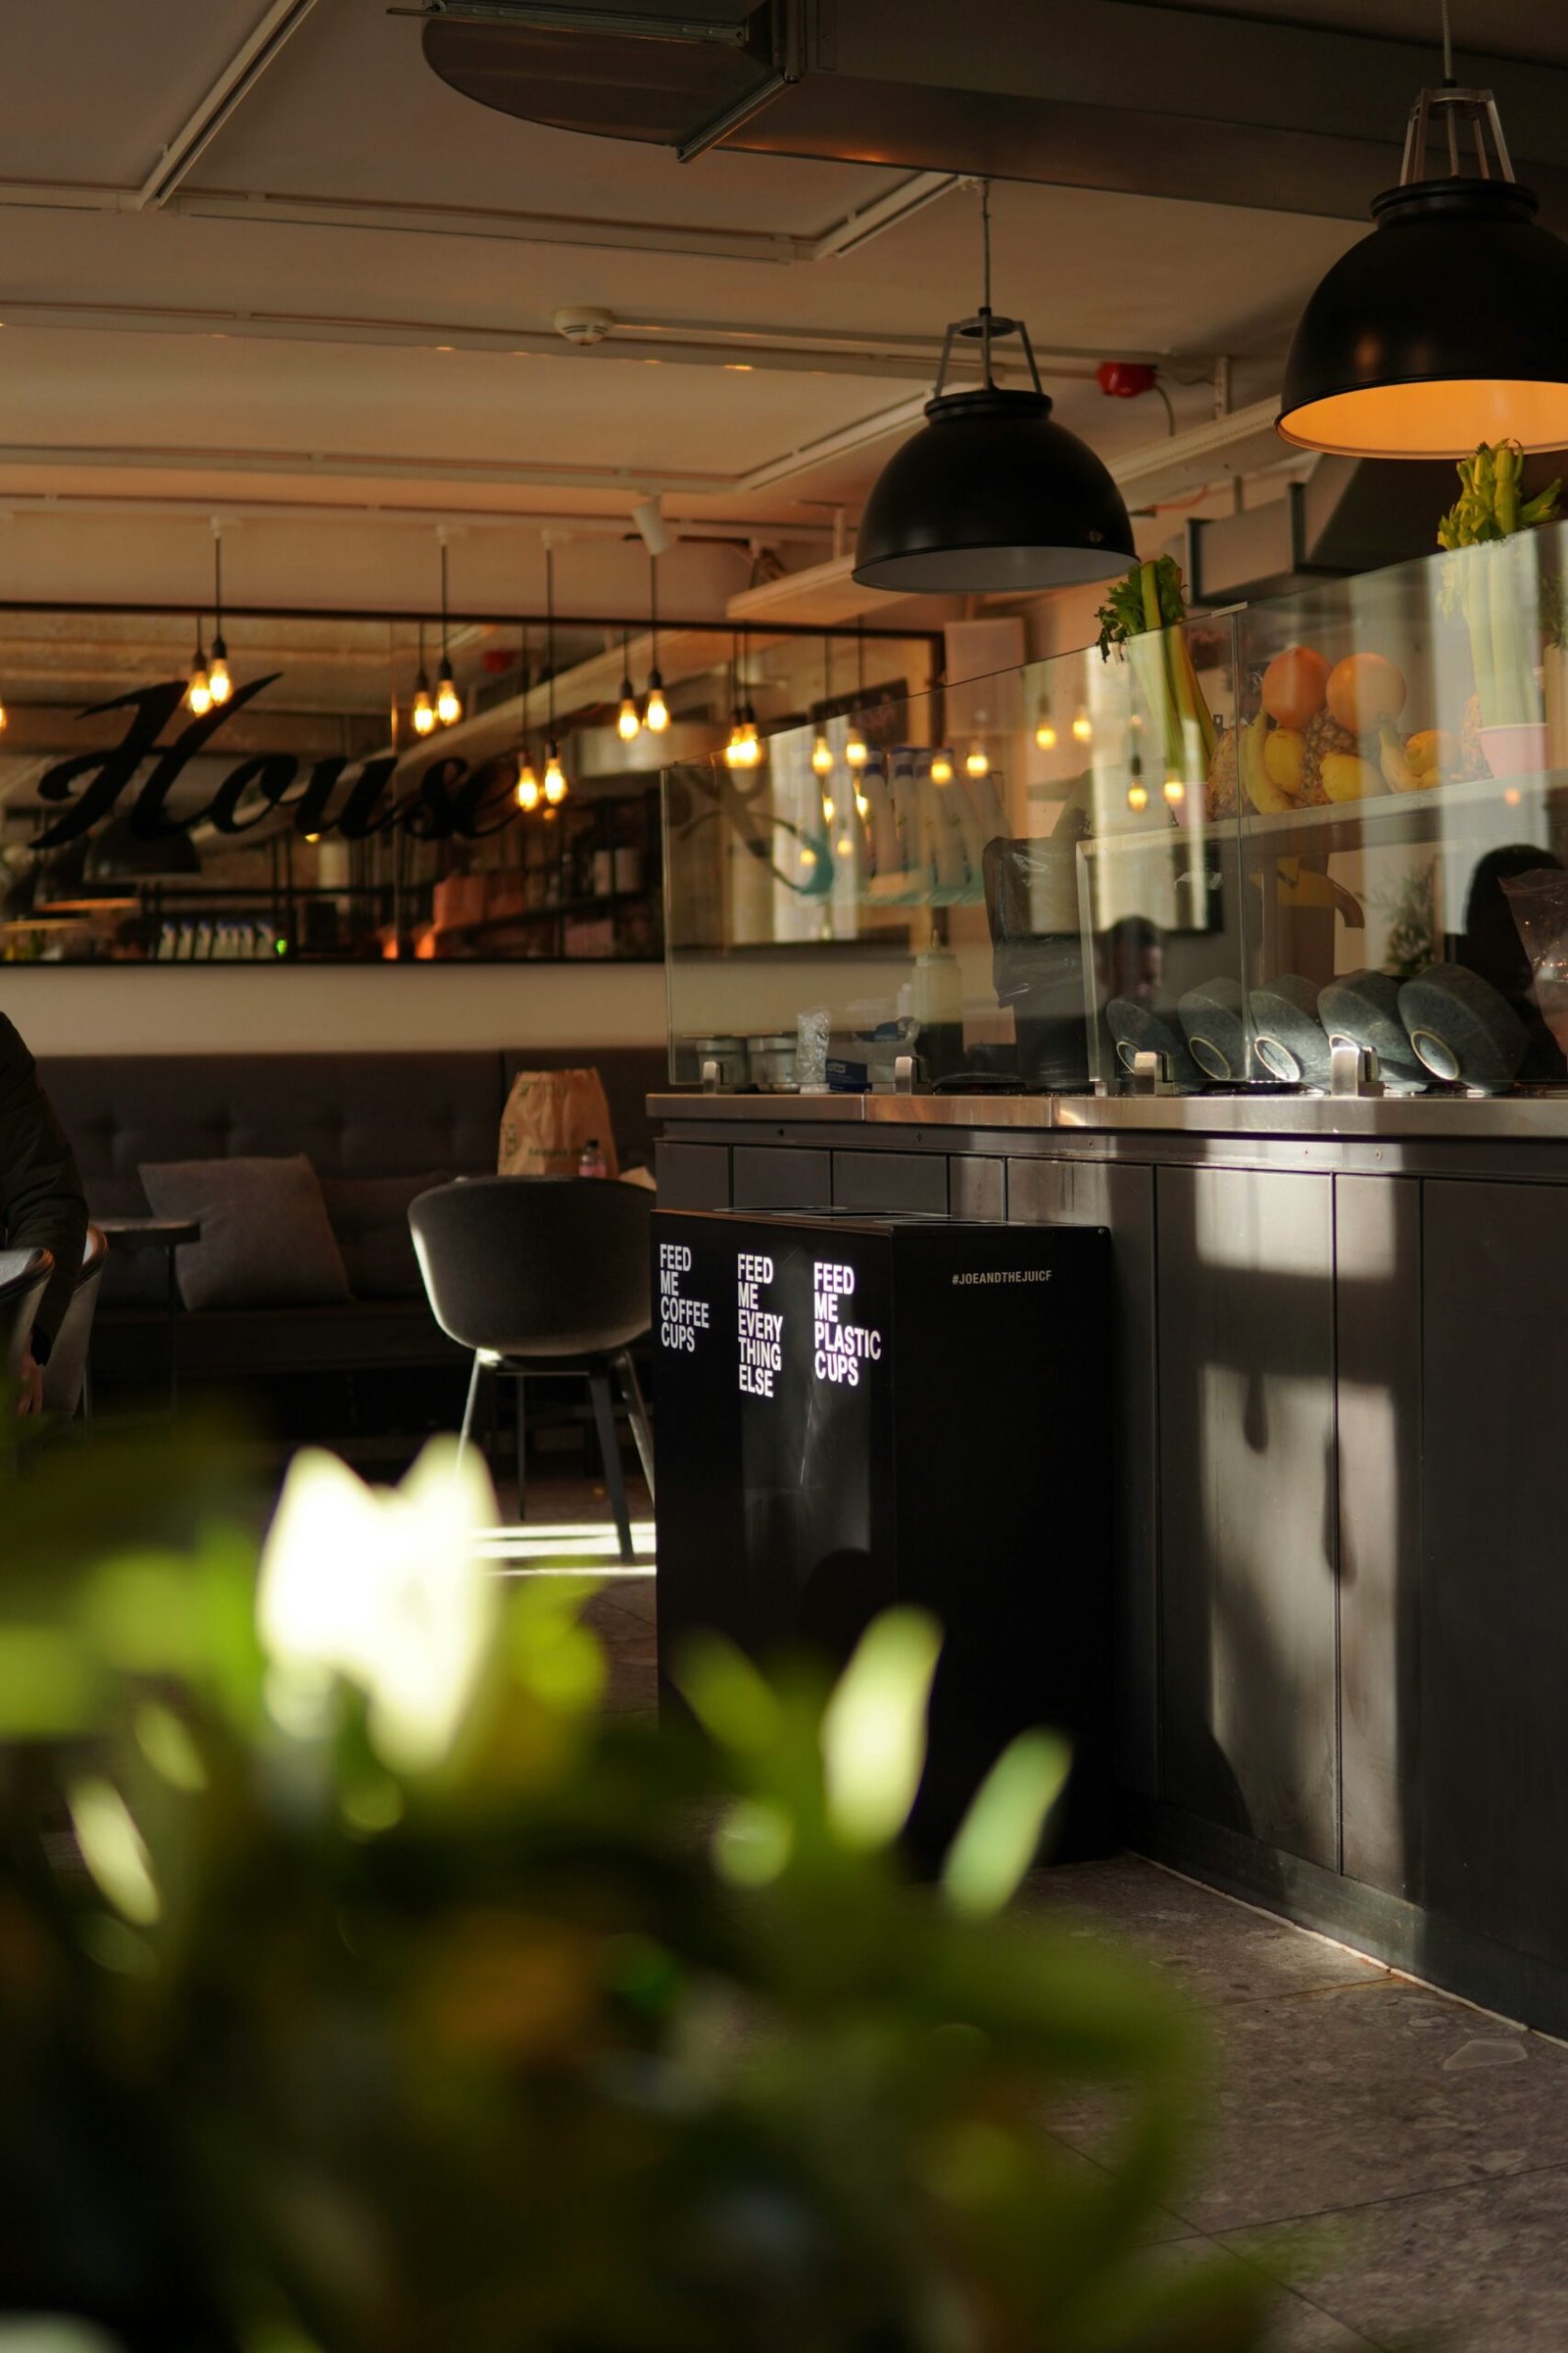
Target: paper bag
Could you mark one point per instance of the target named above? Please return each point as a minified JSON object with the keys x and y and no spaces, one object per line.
{"x":550,"y":1115}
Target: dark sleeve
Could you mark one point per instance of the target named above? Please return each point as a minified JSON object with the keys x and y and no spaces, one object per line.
{"x":42,"y":1205}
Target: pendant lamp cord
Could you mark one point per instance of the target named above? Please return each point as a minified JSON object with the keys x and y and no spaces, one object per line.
{"x":550,"y":632}
{"x":443,"y":596}
{"x":985,"y":279}
{"x":217,"y":581}
{"x":653,"y":607}
{"x":1447,"y":47}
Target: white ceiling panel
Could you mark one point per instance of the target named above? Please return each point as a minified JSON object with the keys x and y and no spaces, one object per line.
{"x":94,"y":91}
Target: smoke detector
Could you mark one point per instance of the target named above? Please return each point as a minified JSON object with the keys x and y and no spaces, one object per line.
{"x":582,"y":325}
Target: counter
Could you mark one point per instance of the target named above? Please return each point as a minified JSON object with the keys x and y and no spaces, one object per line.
{"x":1340,"y":1332}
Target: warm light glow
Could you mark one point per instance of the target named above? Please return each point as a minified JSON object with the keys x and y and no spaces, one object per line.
{"x":424,"y":712}
{"x":312,"y":837}
{"x":808,"y":855}
{"x":4,"y":716}
{"x":556,"y":785}
{"x":1044,"y":731}
{"x":656,"y":716}
{"x":1083,"y":726}
{"x":628,"y":724}
{"x":751,"y":744}
{"x":1137,"y":798}
{"x":863,"y":806}
{"x":942,"y":768}
{"x":822,"y":755}
{"x":1445,"y":420}
{"x":527,"y":794}
{"x":219,"y":685}
{"x":732,"y":747}
{"x":977,"y":761}
{"x":828,"y":806}
{"x":448,"y":702}
{"x":1513,"y":796}
{"x":199,"y":693}
{"x":857,"y":751}
{"x":845,"y":846}
{"x":1175,"y":791}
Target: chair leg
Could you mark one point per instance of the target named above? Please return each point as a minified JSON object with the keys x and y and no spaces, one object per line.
{"x":608,"y":1446}
{"x":637,"y":1414}
{"x":466,"y":1430}
{"x":522,"y":1449}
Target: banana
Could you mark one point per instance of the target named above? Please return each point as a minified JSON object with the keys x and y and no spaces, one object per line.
{"x":1396,"y":771}
{"x":1261,"y":790}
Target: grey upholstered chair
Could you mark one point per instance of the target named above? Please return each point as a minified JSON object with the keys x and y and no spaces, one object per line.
{"x":66,"y":1384}
{"x":545,"y":1275}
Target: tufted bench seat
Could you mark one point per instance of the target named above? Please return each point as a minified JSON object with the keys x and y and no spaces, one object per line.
{"x":409,"y":1115}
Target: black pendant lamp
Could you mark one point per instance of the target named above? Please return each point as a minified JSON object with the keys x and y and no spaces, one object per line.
{"x":992,"y":493}
{"x":1447,"y":325}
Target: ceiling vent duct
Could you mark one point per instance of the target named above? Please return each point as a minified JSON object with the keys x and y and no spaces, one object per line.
{"x":1149,"y":99}
{"x":1352,"y":515}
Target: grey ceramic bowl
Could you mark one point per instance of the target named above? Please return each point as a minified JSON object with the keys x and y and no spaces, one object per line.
{"x":1288,"y":1039}
{"x":1214,"y":1018}
{"x":1138,"y":1028}
{"x":1461,"y":1028}
{"x":1362,"y":1008}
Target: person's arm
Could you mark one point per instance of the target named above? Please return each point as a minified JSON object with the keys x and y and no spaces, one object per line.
{"x":42,"y":1205}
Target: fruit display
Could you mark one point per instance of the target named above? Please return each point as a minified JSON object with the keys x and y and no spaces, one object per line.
{"x":1326,"y":733}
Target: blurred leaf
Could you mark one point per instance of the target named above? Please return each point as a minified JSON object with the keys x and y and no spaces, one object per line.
{"x":873,"y":1729}
{"x":112,"y":1849}
{"x":1000,"y":1835}
{"x":48,"y":1687}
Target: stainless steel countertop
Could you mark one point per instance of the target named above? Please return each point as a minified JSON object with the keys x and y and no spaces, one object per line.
{"x":1542,"y":1119}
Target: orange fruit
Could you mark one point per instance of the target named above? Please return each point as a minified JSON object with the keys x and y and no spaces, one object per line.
{"x":1364,"y":690}
{"x":1294,"y":686}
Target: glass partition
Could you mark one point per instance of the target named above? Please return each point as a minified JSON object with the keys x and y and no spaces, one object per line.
{"x":1012,"y":879}
{"x":1336,"y":817}
{"x":1404,"y":835}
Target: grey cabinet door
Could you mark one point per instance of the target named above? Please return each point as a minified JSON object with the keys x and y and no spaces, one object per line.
{"x":1495,"y":1561}
{"x":1249,"y":1627}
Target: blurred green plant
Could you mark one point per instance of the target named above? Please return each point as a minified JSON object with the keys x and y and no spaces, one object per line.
{"x":365,"y":1989}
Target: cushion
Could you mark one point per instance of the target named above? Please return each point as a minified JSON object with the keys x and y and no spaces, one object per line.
{"x":369,"y":1215}
{"x":266,"y":1240}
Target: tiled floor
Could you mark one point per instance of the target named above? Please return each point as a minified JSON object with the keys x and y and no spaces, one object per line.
{"x":1423,"y":2145}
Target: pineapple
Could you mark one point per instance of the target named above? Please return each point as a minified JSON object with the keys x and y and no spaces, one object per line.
{"x":1323,"y":735}
{"x":1219,"y":793}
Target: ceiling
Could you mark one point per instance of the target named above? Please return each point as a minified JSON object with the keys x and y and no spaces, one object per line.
{"x":261,"y":262}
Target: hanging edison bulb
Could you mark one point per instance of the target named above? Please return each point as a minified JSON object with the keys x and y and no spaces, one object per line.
{"x":822,"y":755}
{"x":219,"y":685}
{"x":1044,"y":726}
{"x":829,"y":808}
{"x":808,"y":855}
{"x":423,"y":708}
{"x":199,"y":693}
{"x":857,"y":751}
{"x":863,"y":806}
{"x":528,"y":792}
{"x":1137,"y":798}
{"x":655,"y":712}
{"x":977,"y":760}
{"x":1083,"y":726}
{"x":845,"y":846}
{"x":556,"y":785}
{"x":1175,"y":790}
{"x":4,"y":716}
{"x":627,"y":723}
{"x":942,"y":766}
{"x":448,"y":702}
{"x":750,"y":741}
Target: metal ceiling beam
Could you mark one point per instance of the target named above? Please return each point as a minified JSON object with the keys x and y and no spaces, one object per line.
{"x":218,"y":101}
{"x":694,"y":241}
{"x":198,"y":509}
{"x":675,"y":343}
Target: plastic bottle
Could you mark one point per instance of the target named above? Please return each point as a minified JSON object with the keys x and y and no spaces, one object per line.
{"x":591,"y":1160}
{"x":936,"y":1000}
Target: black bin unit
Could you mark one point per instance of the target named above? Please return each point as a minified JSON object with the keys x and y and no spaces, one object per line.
{"x":854,"y":1412}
